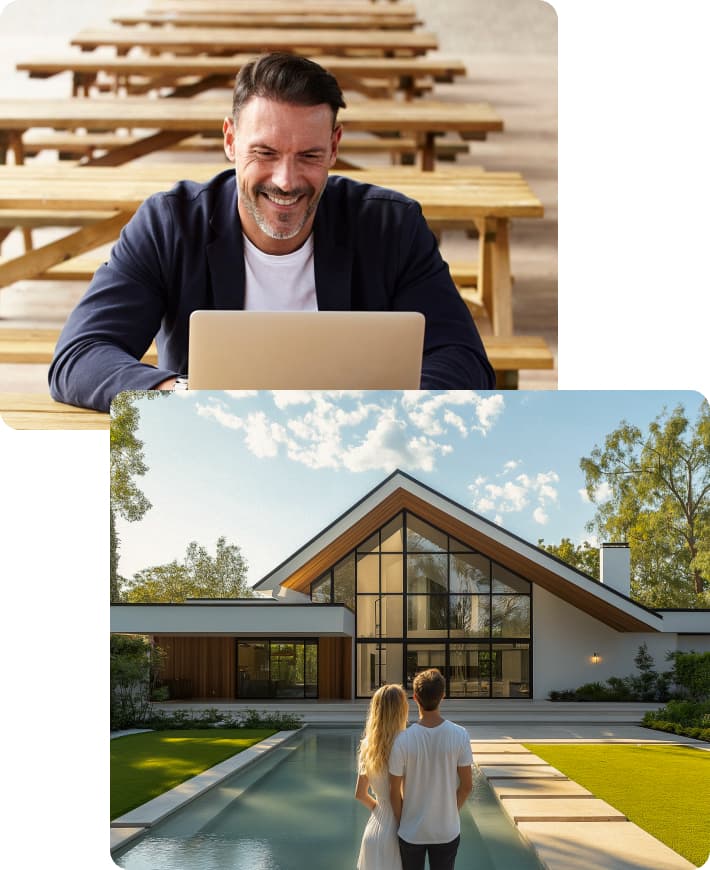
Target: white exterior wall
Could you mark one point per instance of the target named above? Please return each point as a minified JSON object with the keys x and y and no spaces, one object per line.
{"x":244,"y":620}
{"x":694,"y":643}
{"x":564,"y":639}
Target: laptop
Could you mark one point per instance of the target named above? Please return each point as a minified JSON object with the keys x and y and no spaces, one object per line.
{"x":316,"y":350}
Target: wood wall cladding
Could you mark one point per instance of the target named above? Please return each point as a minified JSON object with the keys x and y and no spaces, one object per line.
{"x":205,"y":667}
{"x":334,"y":667}
{"x":208,"y":663}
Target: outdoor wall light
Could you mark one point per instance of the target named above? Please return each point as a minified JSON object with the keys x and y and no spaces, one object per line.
{"x":595,"y":658}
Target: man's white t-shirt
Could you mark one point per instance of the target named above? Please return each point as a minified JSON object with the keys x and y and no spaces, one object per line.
{"x":427,"y":758}
{"x":283,"y":282}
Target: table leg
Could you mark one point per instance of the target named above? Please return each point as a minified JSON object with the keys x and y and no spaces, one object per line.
{"x":35,"y":262}
{"x":428,"y":148}
{"x":494,"y":278}
{"x":138,"y":148}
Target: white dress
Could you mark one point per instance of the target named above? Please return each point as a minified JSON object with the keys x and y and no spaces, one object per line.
{"x":379,"y":849}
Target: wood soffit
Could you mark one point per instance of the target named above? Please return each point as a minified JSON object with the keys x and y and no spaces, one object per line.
{"x":401,"y":499}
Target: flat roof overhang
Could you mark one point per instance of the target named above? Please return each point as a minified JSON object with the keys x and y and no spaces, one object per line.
{"x":238,"y":619}
{"x":599,"y":601}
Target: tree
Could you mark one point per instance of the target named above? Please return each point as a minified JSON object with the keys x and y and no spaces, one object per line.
{"x":583,"y":556}
{"x":199,"y":575}
{"x":127,"y":462}
{"x":653,"y":490}
{"x":135,"y":668}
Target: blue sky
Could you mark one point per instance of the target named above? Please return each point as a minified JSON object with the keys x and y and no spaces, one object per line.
{"x":270,"y":470}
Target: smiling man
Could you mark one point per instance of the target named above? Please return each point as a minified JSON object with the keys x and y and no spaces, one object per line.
{"x":279,"y":233}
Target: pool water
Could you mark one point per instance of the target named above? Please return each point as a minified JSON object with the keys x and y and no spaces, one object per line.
{"x":295,"y":810}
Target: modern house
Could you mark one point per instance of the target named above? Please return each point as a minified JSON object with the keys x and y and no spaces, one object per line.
{"x":407,"y":579}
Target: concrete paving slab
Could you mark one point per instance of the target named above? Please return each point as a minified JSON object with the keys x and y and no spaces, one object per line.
{"x":516,"y":771}
{"x":537,"y":788}
{"x":561,"y":809}
{"x":607,"y":845}
{"x":121,"y":836}
{"x":484,"y":747}
{"x":526,"y":757}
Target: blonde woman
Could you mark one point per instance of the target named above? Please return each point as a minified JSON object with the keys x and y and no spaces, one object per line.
{"x":387,"y":717}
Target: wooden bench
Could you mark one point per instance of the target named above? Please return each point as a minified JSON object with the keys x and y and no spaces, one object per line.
{"x":508,"y":355}
{"x":283,"y":7}
{"x":203,"y":73}
{"x":308,"y":18}
{"x":79,"y":145}
{"x":228,"y":40}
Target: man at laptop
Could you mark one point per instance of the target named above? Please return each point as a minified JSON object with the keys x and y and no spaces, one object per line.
{"x":279,"y":234}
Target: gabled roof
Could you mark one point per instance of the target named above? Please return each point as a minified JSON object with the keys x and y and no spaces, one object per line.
{"x":400,"y":492}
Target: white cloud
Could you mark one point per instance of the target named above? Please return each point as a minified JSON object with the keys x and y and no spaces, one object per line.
{"x":487,"y":411}
{"x":515,"y":496}
{"x":601,"y":494}
{"x":540,"y":516}
{"x":220,"y":415}
{"x":456,"y":421}
{"x":240,"y":394}
{"x":352,"y":430}
{"x":389,"y":446}
{"x":263,"y":437}
{"x":510,"y":465}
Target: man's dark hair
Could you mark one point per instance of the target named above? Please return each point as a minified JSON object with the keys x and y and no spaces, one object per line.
{"x":429,"y":687}
{"x":287,"y":78}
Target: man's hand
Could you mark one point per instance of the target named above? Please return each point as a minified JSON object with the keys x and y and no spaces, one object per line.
{"x":166,"y":385}
{"x":396,"y":796}
{"x":465,"y":784}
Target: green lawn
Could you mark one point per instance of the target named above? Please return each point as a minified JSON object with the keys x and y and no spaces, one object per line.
{"x":663,"y":789}
{"x":145,"y":765}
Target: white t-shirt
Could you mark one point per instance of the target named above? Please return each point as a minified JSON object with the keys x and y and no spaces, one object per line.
{"x":284,"y":282}
{"x":427,"y":758}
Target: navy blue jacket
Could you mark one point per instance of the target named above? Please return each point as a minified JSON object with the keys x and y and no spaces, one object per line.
{"x":183,"y":251}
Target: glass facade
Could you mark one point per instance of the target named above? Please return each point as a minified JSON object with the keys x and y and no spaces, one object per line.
{"x":424,"y":599}
{"x":277,"y":669}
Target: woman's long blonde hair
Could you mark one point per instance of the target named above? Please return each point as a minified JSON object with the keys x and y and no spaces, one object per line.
{"x":387,"y":716}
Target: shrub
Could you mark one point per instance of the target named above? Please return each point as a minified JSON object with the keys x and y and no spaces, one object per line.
{"x":691,"y":674}
{"x":161,"y":720}
{"x":689,"y":718}
{"x":134,"y":668}
{"x":647,"y":685}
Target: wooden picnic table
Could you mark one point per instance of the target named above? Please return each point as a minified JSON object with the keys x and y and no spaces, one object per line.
{"x":149,"y":73}
{"x":227,"y":40}
{"x":39,"y":411}
{"x":280,"y":7}
{"x":310,"y":19}
{"x":488,"y":200}
{"x":176,"y":119}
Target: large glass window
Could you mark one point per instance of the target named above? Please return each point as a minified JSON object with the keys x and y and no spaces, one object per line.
{"x":413,"y":587}
{"x":469,"y":671}
{"x":344,"y":582}
{"x":421,"y":657}
{"x":277,"y":669}
{"x":377,"y":664}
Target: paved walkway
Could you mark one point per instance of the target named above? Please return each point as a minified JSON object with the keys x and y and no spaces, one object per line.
{"x":568,"y":826}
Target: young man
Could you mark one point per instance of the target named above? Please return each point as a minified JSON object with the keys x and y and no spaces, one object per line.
{"x":430,"y":778}
{"x":278,"y":234}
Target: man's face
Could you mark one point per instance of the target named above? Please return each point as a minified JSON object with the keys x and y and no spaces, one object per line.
{"x":282,"y":154}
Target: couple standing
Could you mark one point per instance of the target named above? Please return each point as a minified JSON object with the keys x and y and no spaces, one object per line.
{"x":420,"y":777}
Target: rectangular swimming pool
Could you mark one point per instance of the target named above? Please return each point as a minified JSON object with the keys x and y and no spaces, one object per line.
{"x":294,"y":810}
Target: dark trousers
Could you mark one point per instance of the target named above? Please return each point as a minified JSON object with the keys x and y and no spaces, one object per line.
{"x":441,"y":855}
